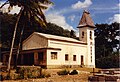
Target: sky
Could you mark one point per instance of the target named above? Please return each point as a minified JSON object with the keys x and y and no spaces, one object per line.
{"x":67,"y":13}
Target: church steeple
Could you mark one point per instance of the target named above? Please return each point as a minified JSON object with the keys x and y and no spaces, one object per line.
{"x":86,"y":20}
{"x":86,"y":34}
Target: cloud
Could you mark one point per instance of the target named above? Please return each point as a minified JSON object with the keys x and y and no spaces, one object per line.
{"x":115,"y":18}
{"x":72,"y":18}
{"x":58,"y":20}
{"x":80,"y":4}
{"x":13,"y":10}
{"x":118,"y":4}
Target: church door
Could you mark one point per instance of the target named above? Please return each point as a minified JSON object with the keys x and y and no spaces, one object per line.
{"x":82,"y":60}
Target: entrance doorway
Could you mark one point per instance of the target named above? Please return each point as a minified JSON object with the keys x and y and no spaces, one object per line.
{"x":28,"y":59}
{"x":82,"y":60}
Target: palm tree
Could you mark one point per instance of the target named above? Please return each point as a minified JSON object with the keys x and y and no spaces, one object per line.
{"x":31,"y":10}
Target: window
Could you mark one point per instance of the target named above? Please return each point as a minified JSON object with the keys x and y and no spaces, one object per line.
{"x":82,"y":34}
{"x":91,"y":48}
{"x":90,"y":34}
{"x":91,"y":53}
{"x":40,"y":56}
{"x":91,"y":43}
{"x":74,"y":57}
{"x":53,"y":55}
{"x":82,"y":60}
{"x":91,"y":58}
{"x":66,"y":57}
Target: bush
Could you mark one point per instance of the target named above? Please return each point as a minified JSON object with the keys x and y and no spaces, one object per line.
{"x":73,"y":72}
{"x":29,"y":72}
{"x":111,"y":61}
{"x":43,"y":75}
{"x":63,"y":72}
{"x":1,"y":78}
{"x":24,"y":73}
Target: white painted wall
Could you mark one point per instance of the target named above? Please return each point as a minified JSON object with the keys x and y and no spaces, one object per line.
{"x":66,"y":48}
{"x":88,"y":41}
{"x":37,"y":41}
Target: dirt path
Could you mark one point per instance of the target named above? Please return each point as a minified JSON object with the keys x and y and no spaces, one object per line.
{"x":65,"y":78}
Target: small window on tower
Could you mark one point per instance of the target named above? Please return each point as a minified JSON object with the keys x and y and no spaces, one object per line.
{"x":82,"y":34}
{"x":90,"y":34}
{"x":91,"y":58}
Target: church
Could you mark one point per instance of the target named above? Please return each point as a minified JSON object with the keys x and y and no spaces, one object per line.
{"x":51,"y":51}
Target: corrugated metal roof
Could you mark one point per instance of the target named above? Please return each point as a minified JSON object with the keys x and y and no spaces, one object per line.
{"x":55,"y":37}
{"x":86,"y":20}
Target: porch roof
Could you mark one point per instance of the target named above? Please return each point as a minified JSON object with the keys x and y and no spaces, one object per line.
{"x":31,"y":50}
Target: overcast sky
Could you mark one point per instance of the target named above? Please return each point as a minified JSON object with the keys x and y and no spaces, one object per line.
{"x":67,"y":13}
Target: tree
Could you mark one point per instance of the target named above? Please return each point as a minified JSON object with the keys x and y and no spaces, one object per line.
{"x":106,"y":41}
{"x":32,"y":11}
{"x":72,"y":34}
{"x":7,"y":28}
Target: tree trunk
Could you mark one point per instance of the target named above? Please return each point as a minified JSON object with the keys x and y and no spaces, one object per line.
{"x":18,"y":50}
{"x":11,"y":50}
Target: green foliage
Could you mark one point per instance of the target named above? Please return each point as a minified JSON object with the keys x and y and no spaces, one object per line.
{"x":29,"y":72}
{"x":1,"y":78}
{"x":7,"y":23}
{"x":25,"y":72}
{"x":73,"y":72}
{"x":45,"y":74}
{"x":105,"y":41}
{"x":111,"y":61}
{"x":63,"y":72}
{"x":7,"y":28}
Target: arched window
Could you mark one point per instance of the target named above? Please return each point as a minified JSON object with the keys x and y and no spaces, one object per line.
{"x":83,"y":34}
{"x":90,"y":34}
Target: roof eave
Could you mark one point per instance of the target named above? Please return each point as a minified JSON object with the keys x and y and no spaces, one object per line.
{"x":91,"y":26}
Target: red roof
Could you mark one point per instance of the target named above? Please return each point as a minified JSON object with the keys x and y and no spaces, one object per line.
{"x":86,"y":20}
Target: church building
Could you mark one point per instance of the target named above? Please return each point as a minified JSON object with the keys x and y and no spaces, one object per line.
{"x":51,"y":51}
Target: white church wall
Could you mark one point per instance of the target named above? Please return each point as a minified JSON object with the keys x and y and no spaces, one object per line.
{"x":90,"y":60}
{"x":66,"y":48}
{"x":91,"y":48}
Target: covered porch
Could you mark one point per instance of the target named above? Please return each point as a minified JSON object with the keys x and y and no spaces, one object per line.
{"x":30,"y":57}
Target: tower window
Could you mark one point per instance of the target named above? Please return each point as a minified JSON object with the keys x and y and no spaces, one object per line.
{"x":91,"y":53}
{"x":82,"y":34}
{"x":91,"y":58}
{"x":90,"y":34}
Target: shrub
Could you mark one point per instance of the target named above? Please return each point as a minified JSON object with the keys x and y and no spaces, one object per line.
{"x":73,"y":72}
{"x":29,"y":72}
{"x":1,"y":77}
{"x":63,"y":72}
{"x":24,"y":72}
{"x":43,"y":75}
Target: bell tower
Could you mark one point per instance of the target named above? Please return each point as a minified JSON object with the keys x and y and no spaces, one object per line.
{"x":86,"y":34}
